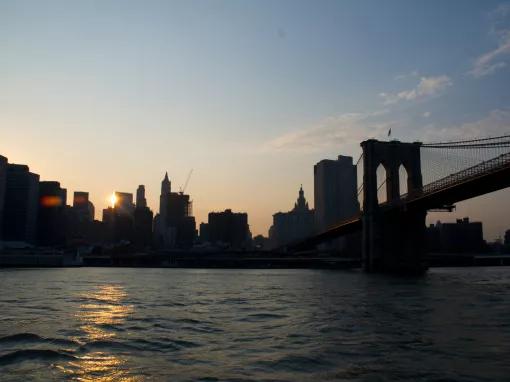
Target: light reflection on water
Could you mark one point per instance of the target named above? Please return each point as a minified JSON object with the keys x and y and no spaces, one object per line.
{"x":104,"y":307}
{"x":107,"y":324}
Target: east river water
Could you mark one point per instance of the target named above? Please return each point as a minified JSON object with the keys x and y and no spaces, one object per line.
{"x":120,"y":324}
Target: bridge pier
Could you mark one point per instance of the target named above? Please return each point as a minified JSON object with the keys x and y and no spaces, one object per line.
{"x":394,"y":242}
{"x":393,"y":239}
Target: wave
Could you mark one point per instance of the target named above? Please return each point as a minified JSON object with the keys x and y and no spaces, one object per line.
{"x":263,"y":317}
{"x":31,"y":338}
{"x":34,"y":354}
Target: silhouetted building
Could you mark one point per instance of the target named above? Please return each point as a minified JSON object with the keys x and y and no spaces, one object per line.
{"x":119,"y":220}
{"x":336,"y":199}
{"x":335,"y":191}
{"x":124,"y":203}
{"x":83,"y":207}
{"x":119,"y":226}
{"x":261,"y":242}
{"x":204,"y":232}
{"x":293,"y":225}
{"x":229,"y":228}
{"x":20,"y":204}
{"x":507,"y":237}
{"x":143,"y":219}
{"x":175,"y":225}
{"x":51,"y":223}
{"x":460,"y":237}
{"x":3,"y":179}
{"x":81,"y":227}
{"x":141,"y":201}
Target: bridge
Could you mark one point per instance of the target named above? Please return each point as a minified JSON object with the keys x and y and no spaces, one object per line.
{"x":438,"y":176}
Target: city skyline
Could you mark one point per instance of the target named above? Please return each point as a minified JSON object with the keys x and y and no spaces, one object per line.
{"x":249,"y":97}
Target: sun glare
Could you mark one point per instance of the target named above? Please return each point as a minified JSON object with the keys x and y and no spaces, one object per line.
{"x":113,"y":199}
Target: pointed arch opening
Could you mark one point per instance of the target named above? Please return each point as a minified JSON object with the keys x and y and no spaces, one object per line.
{"x":403,"y":180}
{"x":382,"y":192}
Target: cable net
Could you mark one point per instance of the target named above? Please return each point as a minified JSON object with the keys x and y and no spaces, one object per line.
{"x":447,"y":163}
{"x":444,"y":164}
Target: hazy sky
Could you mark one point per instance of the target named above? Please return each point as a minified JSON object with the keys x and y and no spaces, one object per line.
{"x":106,"y":95}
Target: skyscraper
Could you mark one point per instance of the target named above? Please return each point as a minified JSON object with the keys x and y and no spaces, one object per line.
{"x":143,"y":219}
{"x":83,"y":207}
{"x":3,"y":176}
{"x":335,"y":191}
{"x":336,"y":199}
{"x":174,"y":226}
{"x":166,"y":188}
{"x":140,"y":197}
{"x":124,"y":203}
{"x":21,"y":204}
{"x":51,"y":227}
{"x":119,"y":219}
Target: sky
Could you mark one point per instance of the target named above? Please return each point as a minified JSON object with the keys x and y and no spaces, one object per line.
{"x":106,"y":95}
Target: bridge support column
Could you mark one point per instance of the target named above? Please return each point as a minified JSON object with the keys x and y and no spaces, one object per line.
{"x":393,"y":237}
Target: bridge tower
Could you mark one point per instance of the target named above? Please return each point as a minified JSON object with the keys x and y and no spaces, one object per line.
{"x":393,"y":238}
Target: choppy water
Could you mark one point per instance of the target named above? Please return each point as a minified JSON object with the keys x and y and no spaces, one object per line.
{"x":107,"y":324}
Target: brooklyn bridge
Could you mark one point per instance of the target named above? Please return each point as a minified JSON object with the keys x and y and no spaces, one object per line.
{"x":419,"y":177}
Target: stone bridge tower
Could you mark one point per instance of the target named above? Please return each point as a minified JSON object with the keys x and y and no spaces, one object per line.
{"x":393,"y":237}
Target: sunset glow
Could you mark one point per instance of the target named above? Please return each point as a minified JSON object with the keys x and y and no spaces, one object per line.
{"x":113,"y":199}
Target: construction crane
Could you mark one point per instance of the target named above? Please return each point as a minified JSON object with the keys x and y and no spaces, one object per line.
{"x":183,"y":188}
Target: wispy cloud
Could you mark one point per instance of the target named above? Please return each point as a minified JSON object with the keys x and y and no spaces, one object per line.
{"x":340,"y":131}
{"x":496,"y":122}
{"x":426,"y":87}
{"x":496,"y":58}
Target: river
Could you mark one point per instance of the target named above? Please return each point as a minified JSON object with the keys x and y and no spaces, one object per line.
{"x":125,"y":324}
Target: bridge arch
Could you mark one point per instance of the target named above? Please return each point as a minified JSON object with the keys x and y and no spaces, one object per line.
{"x":403,"y":180}
{"x":391,"y":240}
{"x":382,"y":177}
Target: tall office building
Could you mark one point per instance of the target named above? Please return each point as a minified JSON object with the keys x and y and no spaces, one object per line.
{"x":336,"y":199}
{"x":3,"y":178}
{"x":83,"y":208}
{"x":20,"y":204}
{"x":124,"y":203}
{"x":143,"y":219}
{"x":119,"y":219}
{"x":140,"y":197}
{"x":335,"y":191}
{"x":80,"y":225}
{"x":175,"y":225}
{"x":51,"y":219}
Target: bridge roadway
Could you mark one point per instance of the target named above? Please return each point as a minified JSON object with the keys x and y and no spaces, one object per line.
{"x":486,"y":177}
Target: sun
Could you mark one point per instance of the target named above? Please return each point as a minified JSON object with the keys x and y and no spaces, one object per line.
{"x":113,"y":199}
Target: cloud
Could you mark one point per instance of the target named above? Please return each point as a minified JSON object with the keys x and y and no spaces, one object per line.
{"x":344,"y":133}
{"x":495,"y":59}
{"x":340,"y":131}
{"x":495,"y":123}
{"x":427,"y":87}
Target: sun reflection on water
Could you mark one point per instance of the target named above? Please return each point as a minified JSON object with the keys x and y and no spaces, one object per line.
{"x":103,"y":311}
